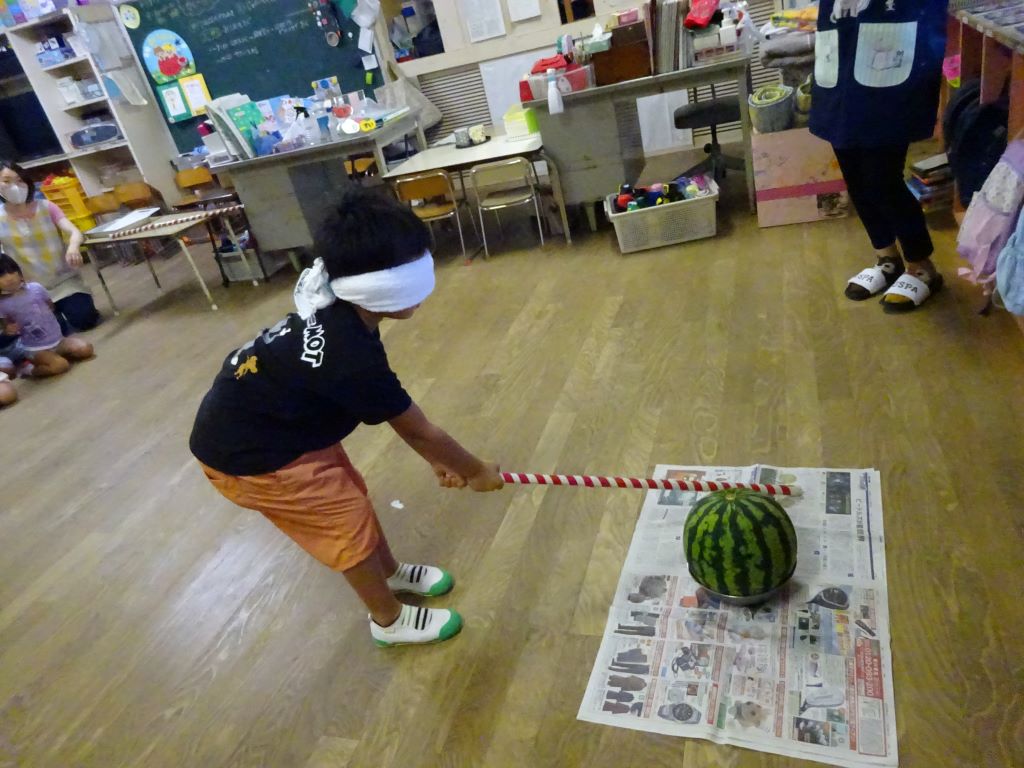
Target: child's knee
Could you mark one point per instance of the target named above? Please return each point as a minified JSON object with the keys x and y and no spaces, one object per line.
{"x":8,"y":394}
{"x":51,"y":364}
{"x":81,"y":350}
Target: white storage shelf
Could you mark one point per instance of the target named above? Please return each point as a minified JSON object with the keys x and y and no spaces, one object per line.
{"x":104,"y":147}
{"x":86,"y":103}
{"x":66,"y":63}
{"x":146,"y":141}
{"x":51,"y":18}
{"x":63,"y":157}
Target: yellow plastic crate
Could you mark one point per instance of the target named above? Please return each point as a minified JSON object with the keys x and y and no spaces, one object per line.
{"x":67,"y":194}
{"x":103,"y":203}
{"x":83,"y":223}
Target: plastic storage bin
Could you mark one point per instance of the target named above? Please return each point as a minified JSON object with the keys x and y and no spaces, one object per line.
{"x":520,"y":122}
{"x":67,"y":193}
{"x":578,"y":79}
{"x":105,"y":202}
{"x":236,"y":271}
{"x":666,"y":224}
{"x":84,"y":223}
{"x":133,"y":193}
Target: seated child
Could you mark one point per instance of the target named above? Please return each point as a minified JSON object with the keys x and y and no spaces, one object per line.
{"x":268,"y":432}
{"x":11,"y":354}
{"x":8,"y":394}
{"x":26,"y":309}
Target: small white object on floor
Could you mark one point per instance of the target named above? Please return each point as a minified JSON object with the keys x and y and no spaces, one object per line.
{"x":396,"y":504}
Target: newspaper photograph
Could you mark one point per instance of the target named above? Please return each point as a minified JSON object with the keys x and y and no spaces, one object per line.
{"x":807,"y":674}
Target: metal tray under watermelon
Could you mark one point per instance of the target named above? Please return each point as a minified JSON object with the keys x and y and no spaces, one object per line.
{"x":748,"y":600}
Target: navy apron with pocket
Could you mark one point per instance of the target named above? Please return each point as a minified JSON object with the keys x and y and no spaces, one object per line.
{"x":877,"y":70}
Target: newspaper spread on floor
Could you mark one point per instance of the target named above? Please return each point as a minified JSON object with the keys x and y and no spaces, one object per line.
{"x":807,"y":674}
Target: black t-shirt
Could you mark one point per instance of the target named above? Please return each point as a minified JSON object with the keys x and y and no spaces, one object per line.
{"x":300,"y":386}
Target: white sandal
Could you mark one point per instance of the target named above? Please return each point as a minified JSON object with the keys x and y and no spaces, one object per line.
{"x":913,"y":288}
{"x":874,"y":280}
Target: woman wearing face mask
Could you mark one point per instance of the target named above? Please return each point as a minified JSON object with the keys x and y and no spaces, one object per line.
{"x":30,"y":231}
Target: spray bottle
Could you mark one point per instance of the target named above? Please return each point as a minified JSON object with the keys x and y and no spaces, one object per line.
{"x":555,"y":104}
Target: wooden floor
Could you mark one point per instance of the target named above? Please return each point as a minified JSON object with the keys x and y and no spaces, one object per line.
{"x":145,"y":622}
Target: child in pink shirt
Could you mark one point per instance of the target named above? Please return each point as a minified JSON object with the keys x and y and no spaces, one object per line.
{"x":26,"y":308}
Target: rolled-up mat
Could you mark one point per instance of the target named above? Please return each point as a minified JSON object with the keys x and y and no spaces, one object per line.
{"x":771,"y":108}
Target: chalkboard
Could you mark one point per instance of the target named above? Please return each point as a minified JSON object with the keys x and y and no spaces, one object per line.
{"x":260,"y":48}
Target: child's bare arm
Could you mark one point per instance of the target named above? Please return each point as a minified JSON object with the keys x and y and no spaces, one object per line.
{"x":441,"y":449}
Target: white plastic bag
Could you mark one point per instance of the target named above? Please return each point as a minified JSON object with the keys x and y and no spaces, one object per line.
{"x":402,"y":93}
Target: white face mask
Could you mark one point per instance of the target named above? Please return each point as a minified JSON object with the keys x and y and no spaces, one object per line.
{"x":14,"y":193}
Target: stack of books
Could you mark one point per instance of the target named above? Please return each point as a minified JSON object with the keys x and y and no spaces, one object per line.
{"x":931,"y":182}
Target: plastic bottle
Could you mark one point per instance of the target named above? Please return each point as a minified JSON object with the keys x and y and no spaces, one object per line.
{"x":728,"y":33}
{"x":555,"y":104}
{"x":318,"y":116}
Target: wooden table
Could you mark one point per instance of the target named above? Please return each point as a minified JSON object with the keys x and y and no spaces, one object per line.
{"x":285,"y":194}
{"x":161,"y":227}
{"x":451,"y":158}
{"x":596,"y":141}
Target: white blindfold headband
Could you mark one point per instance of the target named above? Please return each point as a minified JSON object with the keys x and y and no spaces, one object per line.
{"x":388,"y":290}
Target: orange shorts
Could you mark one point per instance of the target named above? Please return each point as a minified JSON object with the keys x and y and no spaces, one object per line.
{"x":319,"y":501}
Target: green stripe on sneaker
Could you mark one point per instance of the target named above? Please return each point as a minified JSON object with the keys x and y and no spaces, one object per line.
{"x":442,"y":587}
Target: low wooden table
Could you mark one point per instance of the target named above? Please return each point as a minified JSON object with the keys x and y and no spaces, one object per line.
{"x":161,"y":227}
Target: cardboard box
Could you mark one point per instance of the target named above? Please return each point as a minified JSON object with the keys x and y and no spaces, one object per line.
{"x":797,"y":179}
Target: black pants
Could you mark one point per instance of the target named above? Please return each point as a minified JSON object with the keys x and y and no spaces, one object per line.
{"x":874,"y":179}
{"x":76,"y":313}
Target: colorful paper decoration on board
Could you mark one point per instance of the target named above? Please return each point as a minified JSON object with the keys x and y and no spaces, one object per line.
{"x":167,"y":56}
{"x":185,"y":98}
{"x":172,"y":99}
{"x":197,"y":95}
{"x":130,"y":16}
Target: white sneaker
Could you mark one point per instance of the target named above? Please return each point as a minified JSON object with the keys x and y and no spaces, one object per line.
{"x":421,"y":580}
{"x":416,"y":624}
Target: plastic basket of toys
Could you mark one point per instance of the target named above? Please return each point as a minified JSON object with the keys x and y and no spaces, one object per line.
{"x":653,"y":219}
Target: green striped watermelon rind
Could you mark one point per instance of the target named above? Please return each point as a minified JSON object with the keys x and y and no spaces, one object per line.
{"x":709,"y":571}
{"x":746,"y":599}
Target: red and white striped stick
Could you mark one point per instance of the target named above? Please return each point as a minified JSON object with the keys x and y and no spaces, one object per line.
{"x":597,"y":481}
{"x":183,"y":219}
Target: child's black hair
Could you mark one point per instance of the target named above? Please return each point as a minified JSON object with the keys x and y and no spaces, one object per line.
{"x":366,"y":231}
{"x":5,"y":164}
{"x":8,"y":265}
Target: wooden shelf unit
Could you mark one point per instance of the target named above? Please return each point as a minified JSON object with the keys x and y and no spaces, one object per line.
{"x":997,"y":58}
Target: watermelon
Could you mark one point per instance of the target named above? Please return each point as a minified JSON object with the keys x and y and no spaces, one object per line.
{"x":739,"y":543}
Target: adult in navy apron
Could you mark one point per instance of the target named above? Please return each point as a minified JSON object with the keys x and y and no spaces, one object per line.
{"x":877,"y":70}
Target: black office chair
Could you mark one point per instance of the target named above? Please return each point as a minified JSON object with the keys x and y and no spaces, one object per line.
{"x":711,"y":113}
